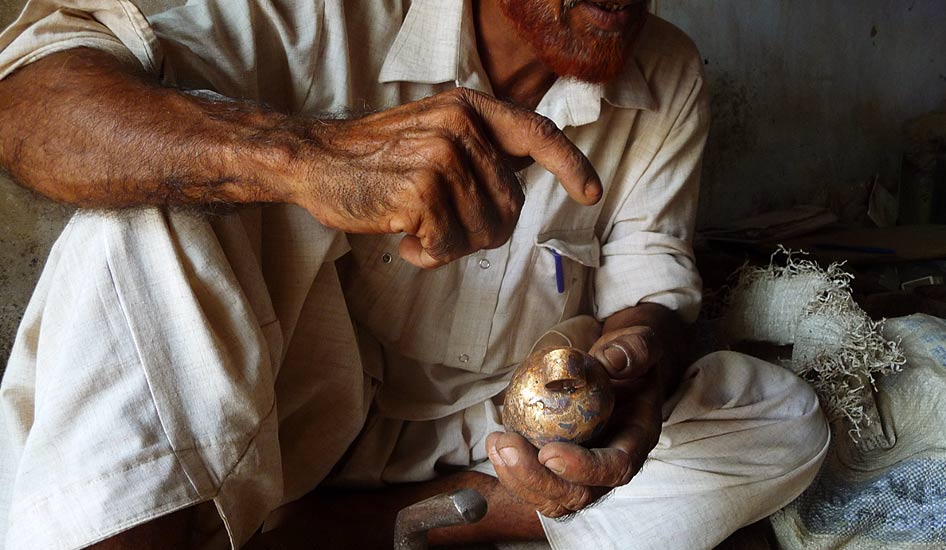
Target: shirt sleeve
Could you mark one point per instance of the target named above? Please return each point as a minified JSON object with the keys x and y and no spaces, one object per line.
{"x":258,"y":50}
{"x":648,"y":256}
{"x":45,"y":27}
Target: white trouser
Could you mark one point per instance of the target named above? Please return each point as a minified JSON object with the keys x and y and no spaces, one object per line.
{"x":153,"y":372}
{"x":741,"y":438}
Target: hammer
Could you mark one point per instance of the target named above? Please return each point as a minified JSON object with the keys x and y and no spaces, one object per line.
{"x":462,"y":506}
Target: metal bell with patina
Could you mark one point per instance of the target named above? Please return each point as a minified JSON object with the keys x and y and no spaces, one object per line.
{"x":558,"y":394}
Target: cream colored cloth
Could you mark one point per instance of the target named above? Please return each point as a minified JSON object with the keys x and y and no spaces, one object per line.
{"x":146,"y":378}
{"x":144,"y":384}
{"x":741,"y":438}
{"x":191,"y":343}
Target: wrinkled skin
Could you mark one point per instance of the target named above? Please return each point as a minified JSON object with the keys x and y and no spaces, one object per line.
{"x":439,"y":170}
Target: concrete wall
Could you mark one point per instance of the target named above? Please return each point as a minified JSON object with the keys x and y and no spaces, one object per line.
{"x":808,"y":96}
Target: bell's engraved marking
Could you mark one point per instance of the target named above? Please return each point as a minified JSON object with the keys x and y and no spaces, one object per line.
{"x":587,"y":415}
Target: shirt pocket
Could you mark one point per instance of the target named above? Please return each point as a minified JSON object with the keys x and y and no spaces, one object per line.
{"x":568,"y":256}
{"x":557,"y":288}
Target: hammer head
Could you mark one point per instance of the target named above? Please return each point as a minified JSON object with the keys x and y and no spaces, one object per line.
{"x":460,"y":507}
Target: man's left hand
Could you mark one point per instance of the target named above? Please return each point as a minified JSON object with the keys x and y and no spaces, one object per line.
{"x":562,"y":478}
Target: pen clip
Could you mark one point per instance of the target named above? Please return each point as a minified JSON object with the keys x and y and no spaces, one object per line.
{"x":559,"y":271}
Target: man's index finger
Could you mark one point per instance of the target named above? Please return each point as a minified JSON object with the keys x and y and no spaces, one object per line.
{"x":519,"y":132}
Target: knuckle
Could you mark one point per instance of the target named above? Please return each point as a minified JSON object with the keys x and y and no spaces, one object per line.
{"x":499,"y":237}
{"x":533,"y":478}
{"x":469,"y":96}
{"x":422,"y":180}
{"x":444,"y":242}
{"x":544,"y":128}
{"x":442,"y":152}
{"x":479,"y":240}
{"x":444,"y":249}
{"x":403,"y":222}
{"x":477,"y":232}
{"x":459,"y":92}
{"x":461,"y":114}
{"x":423,"y":190}
{"x":552,"y":510}
{"x":577,"y":499}
{"x":512,"y":196}
{"x":626,"y":469}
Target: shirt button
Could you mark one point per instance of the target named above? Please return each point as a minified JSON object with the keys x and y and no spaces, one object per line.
{"x":484,"y":263}
{"x":386,"y":258}
{"x":464,"y":358}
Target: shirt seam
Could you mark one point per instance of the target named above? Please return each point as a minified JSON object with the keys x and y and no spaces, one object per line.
{"x":141,"y":362}
{"x":139,"y":29}
{"x":78,"y":40}
{"x":659,"y":147}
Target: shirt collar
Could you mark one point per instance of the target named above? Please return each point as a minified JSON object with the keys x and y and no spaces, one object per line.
{"x":435,"y":33}
{"x":427,"y":48}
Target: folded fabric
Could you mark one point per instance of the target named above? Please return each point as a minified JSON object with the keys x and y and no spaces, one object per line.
{"x":886,"y":491}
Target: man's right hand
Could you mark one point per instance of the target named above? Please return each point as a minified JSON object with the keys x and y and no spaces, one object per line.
{"x":438,"y":170}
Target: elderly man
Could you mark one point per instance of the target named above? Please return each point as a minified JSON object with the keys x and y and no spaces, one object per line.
{"x":182,"y":379}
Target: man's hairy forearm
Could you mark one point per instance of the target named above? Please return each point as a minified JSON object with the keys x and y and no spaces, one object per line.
{"x":82,"y":128}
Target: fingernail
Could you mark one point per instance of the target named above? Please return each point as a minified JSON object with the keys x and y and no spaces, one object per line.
{"x":495,"y":457}
{"x":557,"y":465}
{"x":620,"y":359}
{"x":509,"y":455}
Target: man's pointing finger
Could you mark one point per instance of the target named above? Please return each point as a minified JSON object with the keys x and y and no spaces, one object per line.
{"x":519,"y":132}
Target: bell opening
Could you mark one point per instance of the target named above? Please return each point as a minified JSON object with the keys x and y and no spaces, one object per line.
{"x":566,"y":385}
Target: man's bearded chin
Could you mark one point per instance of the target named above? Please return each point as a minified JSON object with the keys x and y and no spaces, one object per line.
{"x":586,"y":54}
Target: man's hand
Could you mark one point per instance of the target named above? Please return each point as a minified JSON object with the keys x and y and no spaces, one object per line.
{"x":562,"y":478}
{"x":439,"y":170}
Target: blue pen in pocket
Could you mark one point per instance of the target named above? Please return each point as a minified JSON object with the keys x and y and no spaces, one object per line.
{"x":559,"y":271}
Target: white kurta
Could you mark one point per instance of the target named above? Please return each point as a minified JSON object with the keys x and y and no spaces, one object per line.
{"x":167,"y":360}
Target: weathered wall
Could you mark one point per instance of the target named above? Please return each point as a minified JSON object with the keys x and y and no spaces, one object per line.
{"x":807,"y":96}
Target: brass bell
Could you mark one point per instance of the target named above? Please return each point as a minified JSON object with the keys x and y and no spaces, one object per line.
{"x":558,"y":394}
